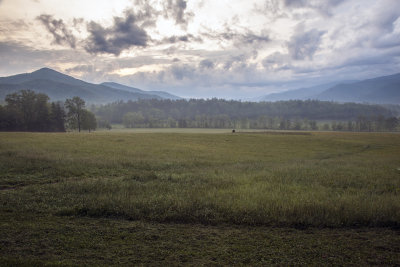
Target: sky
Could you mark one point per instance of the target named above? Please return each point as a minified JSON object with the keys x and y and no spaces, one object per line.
{"x":231,"y":49}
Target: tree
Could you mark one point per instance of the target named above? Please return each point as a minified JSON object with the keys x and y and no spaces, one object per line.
{"x":88,"y":120}
{"x":28,"y":111}
{"x":75,"y":108}
{"x":57,"y":117}
{"x":4,"y":119}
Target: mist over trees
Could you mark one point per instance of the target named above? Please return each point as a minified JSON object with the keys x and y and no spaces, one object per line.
{"x":29,"y":111}
{"x":218,"y":113}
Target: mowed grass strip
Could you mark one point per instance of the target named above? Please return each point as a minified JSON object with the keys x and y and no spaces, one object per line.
{"x":321,"y":179}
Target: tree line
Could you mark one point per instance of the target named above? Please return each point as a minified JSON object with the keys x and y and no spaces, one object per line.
{"x":218,"y":113}
{"x":29,"y":111}
{"x":361,"y":124}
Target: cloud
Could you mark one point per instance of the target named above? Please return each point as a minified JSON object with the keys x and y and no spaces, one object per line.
{"x":179,"y":39}
{"x":123,"y":35}
{"x":182,"y":71}
{"x":81,"y":68}
{"x":238,"y":38}
{"x":206,"y":64}
{"x":145,"y":13}
{"x":250,"y":38}
{"x":323,"y":6}
{"x":277,"y":61}
{"x":61,"y":35}
{"x":17,"y":57}
{"x":303,"y":45}
{"x":174,"y":39}
{"x":176,"y":10}
{"x":233,"y":61}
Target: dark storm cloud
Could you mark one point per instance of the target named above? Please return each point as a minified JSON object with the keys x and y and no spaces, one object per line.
{"x":124,"y":34}
{"x":61,"y":34}
{"x":303,"y":45}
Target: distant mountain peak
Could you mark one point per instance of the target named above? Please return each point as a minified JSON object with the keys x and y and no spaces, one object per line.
{"x":46,"y":70}
{"x":59,"y":86}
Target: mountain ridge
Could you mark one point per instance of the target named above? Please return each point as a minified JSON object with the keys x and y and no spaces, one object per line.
{"x":303,"y":93}
{"x":378,"y":90}
{"x":134,"y":89}
{"x":59,"y":86}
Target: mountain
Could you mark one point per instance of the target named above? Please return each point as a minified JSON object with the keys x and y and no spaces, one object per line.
{"x":161,"y":94}
{"x":381,"y":90}
{"x":59,"y":86}
{"x":302,"y":93}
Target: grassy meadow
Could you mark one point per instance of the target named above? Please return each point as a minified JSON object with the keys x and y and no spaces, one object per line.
{"x":199,"y":198}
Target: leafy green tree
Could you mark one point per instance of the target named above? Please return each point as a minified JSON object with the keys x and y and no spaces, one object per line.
{"x":57,"y":117}
{"x":42,"y":113}
{"x":88,"y":120}
{"x":28,"y":111}
{"x":76,"y":107}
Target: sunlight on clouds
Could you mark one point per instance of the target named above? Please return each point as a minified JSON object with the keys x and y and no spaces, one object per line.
{"x":146,"y":68}
{"x":88,"y":9}
{"x":166,"y":27}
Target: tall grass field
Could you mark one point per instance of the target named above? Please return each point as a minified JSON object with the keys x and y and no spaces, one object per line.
{"x":199,"y":198}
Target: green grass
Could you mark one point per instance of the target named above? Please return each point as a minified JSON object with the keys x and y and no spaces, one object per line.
{"x":201,"y":188}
